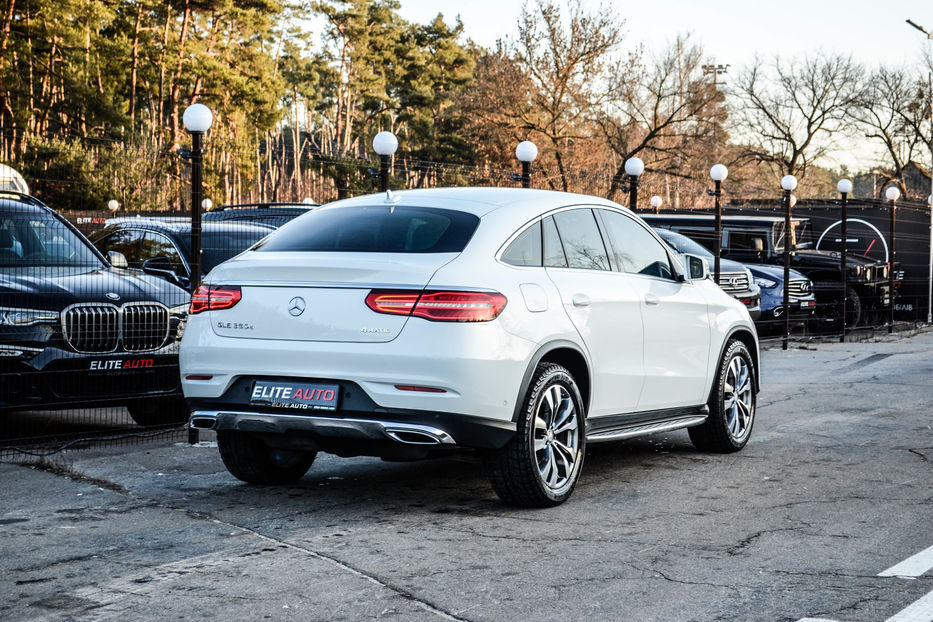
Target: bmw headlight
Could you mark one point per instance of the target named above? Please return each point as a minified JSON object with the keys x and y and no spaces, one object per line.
{"x":14,"y":316}
{"x":764,"y":283}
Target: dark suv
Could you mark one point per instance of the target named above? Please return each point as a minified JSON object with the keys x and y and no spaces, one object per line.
{"x":74,"y":329}
{"x":269,"y":214}
{"x":760,"y":239}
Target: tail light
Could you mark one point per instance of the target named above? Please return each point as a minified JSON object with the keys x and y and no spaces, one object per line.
{"x":211,"y":298}
{"x":438,"y":306}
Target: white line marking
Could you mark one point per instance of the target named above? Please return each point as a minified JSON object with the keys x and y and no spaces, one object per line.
{"x":912,"y":567}
{"x":920,"y":611}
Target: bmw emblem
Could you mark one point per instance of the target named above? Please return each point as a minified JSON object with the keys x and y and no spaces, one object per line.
{"x":296,"y":306}
{"x":112,"y":296}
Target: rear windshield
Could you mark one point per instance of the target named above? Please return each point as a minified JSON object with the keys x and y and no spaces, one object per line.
{"x":375,"y":229}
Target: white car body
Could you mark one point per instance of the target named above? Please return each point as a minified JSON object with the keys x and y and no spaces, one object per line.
{"x":644,"y":350}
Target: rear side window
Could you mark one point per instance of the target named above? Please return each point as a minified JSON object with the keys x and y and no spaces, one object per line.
{"x":582,"y":242}
{"x":376,"y":229}
{"x":526,"y":249}
{"x":553,"y":250}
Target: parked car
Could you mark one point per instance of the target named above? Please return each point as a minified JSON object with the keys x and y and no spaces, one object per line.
{"x":521,"y":323}
{"x":11,"y":180}
{"x":760,"y":239}
{"x":734,"y":278}
{"x":73,"y":328}
{"x":161,"y":247}
{"x":768,"y":283}
{"x":270,"y":214}
{"x":801,"y":300}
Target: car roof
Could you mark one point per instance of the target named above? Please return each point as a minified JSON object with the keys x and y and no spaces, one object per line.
{"x":732,"y":218}
{"x":478,"y":200}
{"x":23,"y":203}
{"x":179,"y":224}
{"x":265,"y":207}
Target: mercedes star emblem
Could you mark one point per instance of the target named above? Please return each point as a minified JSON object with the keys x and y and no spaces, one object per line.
{"x":296,"y":306}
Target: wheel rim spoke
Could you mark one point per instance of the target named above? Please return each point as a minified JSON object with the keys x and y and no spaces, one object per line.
{"x":738,"y":399}
{"x":556,"y":436}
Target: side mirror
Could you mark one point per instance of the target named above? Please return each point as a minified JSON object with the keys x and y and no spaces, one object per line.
{"x":162,"y":267}
{"x":117,"y":259}
{"x":696,"y":268}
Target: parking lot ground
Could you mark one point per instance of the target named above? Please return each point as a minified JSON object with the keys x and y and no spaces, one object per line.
{"x":834,"y":489}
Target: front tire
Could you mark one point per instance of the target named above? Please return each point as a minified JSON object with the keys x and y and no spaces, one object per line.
{"x":731,"y":404}
{"x":540,"y":466}
{"x":250,"y":460}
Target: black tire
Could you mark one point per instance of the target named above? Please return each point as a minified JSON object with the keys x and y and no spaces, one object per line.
{"x":729,"y":425}
{"x":159,"y":411}
{"x":252,"y":461}
{"x":540,"y":466}
{"x":827,"y":317}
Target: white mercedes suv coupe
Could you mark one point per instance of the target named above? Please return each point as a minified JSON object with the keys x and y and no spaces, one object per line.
{"x":521,"y":323}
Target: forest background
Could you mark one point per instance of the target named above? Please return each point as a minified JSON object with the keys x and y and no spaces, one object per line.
{"x":92,"y":94}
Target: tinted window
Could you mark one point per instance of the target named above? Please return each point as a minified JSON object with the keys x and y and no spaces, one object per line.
{"x":157,"y":245}
{"x":683,"y":244}
{"x":553,"y":249}
{"x":581,"y":240}
{"x":376,"y":229}
{"x":30,"y":237}
{"x":126,"y":241}
{"x":634,"y":248}
{"x":526,"y":249}
{"x":219,"y":246}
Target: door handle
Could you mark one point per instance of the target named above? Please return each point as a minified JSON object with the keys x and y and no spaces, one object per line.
{"x":580,"y":300}
{"x":651,"y":299}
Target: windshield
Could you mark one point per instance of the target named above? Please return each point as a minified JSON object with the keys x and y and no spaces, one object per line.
{"x":683,"y":244}
{"x":31,"y":237}
{"x":801,"y":232}
{"x":375,"y":229}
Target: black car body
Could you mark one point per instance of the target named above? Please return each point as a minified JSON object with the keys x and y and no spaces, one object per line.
{"x":760,"y":239}
{"x":269,"y":214}
{"x":76,"y":330}
{"x":734,"y":278}
{"x":161,"y":246}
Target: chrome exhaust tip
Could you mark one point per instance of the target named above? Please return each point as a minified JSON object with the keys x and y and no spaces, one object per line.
{"x":413,"y":437}
{"x":201,"y":422}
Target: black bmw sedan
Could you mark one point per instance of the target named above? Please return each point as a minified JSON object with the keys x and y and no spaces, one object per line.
{"x":76,"y":331}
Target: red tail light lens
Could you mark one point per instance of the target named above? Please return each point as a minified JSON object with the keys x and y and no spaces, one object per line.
{"x":444,"y":306}
{"x":392,"y":302}
{"x":210,"y":298}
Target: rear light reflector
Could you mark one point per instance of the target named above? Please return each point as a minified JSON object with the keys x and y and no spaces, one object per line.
{"x":198,"y":377}
{"x":438,"y":306}
{"x":408,"y":387}
{"x":211,"y":298}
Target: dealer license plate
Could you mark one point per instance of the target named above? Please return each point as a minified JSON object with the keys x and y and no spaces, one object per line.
{"x":295,"y":395}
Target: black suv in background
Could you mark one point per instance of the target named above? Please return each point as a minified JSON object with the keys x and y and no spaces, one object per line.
{"x":161,"y":246}
{"x":76,"y":330}
{"x":269,"y":214}
{"x":760,"y":239}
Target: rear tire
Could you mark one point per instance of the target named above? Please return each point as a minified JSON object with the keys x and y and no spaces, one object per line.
{"x":250,"y":460}
{"x":159,"y":411}
{"x":731,"y":404}
{"x":540,"y":466}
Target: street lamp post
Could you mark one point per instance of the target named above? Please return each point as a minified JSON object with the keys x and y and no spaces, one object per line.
{"x":526,"y":152}
{"x":844,"y":187}
{"x":892,"y":194}
{"x":718,"y":174}
{"x":634,"y":167}
{"x":788,"y":183}
{"x":929,"y":37}
{"x":197,"y":119}
{"x":385,"y":144}
{"x":656,"y":203}
{"x":207,"y":204}
{"x":113,"y":205}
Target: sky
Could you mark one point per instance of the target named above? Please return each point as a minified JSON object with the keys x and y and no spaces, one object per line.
{"x":731,"y":31}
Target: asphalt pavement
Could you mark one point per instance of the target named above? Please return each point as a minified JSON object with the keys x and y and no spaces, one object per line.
{"x":825,"y":515}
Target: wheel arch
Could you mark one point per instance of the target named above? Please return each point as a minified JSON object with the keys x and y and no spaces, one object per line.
{"x":567,"y":354}
{"x":744,"y":335}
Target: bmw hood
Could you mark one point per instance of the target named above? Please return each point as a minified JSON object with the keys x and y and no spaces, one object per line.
{"x":55,"y":287}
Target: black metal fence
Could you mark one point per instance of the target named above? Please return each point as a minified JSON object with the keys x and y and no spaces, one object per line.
{"x":89,"y":338}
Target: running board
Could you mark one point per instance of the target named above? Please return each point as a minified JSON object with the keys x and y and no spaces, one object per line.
{"x":644,"y":429}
